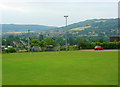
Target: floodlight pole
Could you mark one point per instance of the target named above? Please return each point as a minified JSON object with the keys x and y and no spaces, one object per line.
{"x":66,"y":34}
{"x":28,"y":40}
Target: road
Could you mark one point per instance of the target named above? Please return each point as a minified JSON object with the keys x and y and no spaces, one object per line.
{"x":101,"y":50}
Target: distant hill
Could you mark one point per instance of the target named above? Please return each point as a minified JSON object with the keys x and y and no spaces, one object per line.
{"x":92,"y":30}
{"x":95,"y":23}
{"x":98,"y":27}
{"x":21,"y":28}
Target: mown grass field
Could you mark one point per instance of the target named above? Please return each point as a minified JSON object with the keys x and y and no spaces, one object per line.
{"x":61,"y":68}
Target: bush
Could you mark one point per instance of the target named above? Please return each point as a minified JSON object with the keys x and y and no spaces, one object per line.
{"x":9,"y":50}
{"x":62,"y":48}
{"x":72,"y":48}
{"x":106,"y":45}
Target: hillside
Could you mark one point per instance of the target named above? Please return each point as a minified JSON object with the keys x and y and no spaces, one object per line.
{"x":92,"y":30}
{"x":94,"y":23}
{"x":21,"y":28}
{"x":95,"y":26}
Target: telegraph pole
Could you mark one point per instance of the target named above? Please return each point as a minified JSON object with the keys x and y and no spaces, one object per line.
{"x":66,"y":33}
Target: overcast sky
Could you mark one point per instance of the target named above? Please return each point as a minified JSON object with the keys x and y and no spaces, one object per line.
{"x":51,"y":12}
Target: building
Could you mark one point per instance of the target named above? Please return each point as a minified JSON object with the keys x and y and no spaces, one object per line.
{"x":114,"y":39}
{"x":36,"y":49}
{"x":52,"y":48}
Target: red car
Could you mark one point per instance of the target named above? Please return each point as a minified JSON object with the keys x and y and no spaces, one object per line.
{"x":98,"y":48}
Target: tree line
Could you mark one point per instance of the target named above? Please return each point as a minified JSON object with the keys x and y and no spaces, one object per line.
{"x":73,"y":43}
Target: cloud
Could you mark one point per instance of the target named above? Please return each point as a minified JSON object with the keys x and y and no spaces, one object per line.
{"x":6,"y":7}
{"x":47,"y":13}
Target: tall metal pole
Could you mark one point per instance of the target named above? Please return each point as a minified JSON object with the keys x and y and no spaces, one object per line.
{"x":28,"y":40}
{"x":66,"y":34}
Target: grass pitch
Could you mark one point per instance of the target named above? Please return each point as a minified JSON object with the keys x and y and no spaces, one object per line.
{"x":61,"y":68}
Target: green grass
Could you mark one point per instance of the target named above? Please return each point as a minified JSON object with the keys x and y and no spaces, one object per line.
{"x":80,"y":28}
{"x":61,"y":68}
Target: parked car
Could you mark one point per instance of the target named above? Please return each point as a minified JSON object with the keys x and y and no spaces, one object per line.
{"x":98,"y":48}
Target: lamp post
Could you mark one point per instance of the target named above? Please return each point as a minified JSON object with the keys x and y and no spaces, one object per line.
{"x":28,"y":40}
{"x":66,"y":33}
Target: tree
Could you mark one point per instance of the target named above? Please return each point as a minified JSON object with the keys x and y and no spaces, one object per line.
{"x":50,"y":41}
{"x":41,"y":37}
{"x":101,"y":40}
{"x":71,"y":41}
{"x":42,"y":44}
{"x":35,"y":42}
{"x":82,"y":43}
{"x":78,"y":39}
{"x":60,"y":40}
{"x":10,"y":50}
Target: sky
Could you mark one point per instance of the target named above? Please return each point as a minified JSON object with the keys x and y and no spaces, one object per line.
{"x":51,"y":12}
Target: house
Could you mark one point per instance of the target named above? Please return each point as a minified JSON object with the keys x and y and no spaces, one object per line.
{"x":52,"y":48}
{"x":114,"y":39}
{"x":36,"y":48}
{"x":2,"y":46}
{"x":10,"y":46}
{"x":49,"y":48}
